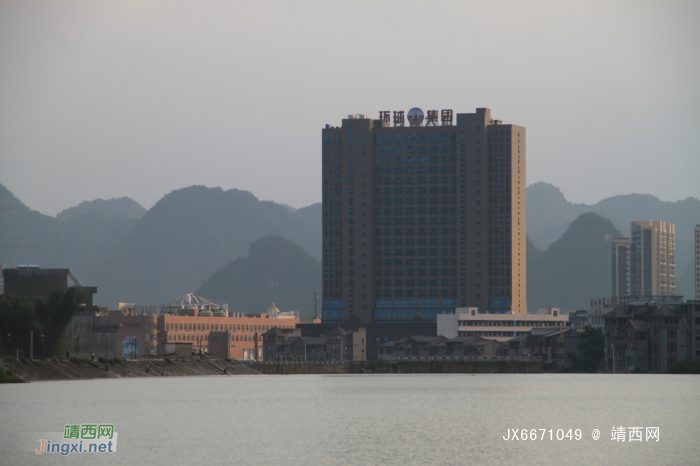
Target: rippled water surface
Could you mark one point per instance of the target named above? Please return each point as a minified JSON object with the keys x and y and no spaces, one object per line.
{"x":359,"y":419}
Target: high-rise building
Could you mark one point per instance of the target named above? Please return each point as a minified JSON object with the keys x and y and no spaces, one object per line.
{"x":423,"y":216}
{"x":644,"y":265}
{"x":621,"y":267}
{"x":697,"y":262}
{"x":652,"y":258}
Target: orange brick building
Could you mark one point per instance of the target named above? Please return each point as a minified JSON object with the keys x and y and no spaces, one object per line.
{"x":238,"y":336}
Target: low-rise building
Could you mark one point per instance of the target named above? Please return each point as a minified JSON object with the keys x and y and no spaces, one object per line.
{"x":500,"y":327}
{"x":553,"y":345}
{"x":648,"y":336}
{"x":338,"y":344}
{"x":209,"y":329}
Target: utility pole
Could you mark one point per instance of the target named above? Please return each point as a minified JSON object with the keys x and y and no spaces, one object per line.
{"x":316,"y":302}
{"x":31,"y":345}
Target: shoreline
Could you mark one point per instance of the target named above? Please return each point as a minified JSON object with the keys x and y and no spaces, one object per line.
{"x":39,"y":370}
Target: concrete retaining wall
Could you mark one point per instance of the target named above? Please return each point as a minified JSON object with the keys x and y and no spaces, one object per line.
{"x":529,"y":365}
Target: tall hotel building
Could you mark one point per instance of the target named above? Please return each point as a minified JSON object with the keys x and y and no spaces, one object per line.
{"x":422,"y":216}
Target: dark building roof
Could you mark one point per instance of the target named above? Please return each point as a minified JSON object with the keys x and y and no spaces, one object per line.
{"x":463,"y":339}
{"x":390,"y":344}
{"x":313,"y":340}
{"x":421,"y":339}
{"x":277,"y":331}
{"x":338,"y":330}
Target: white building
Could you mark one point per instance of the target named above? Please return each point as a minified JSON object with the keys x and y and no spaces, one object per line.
{"x":471,"y":321}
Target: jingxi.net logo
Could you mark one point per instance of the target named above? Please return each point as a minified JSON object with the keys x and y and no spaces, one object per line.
{"x":80,"y":438}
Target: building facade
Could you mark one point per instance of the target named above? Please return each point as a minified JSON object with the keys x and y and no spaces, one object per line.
{"x":645,"y":263}
{"x":34,"y":282}
{"x":621,"y":267}
{"x":650,"y":336}
{"x":338,"y":344}
{"x":422,"y":216}
{"x":697,"y":262}
{"x":500,"y":327}
{"x":652,"y":258}
{"x":238,"y":337}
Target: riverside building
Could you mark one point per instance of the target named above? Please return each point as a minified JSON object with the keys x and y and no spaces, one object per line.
{"x":190,"y":321}
{"x":423,"y":214}
{"x":500,"y":327}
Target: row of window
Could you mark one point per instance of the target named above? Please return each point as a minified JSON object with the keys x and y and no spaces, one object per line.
{"x":416,"y":272}
{"x":494,"y":135}
{"x":418,"y":200}
{"x":408,"y":313}
{"x":410,"y":293}
{"x":416,"y":180}
{"x":411,"y":138}
{"x":205,"y":337}
{"x":219,"y":327}
{"x":422,"y":160}
{"x":421,"y":170}
{"x":434,"y":149}
{"x":416,"y":231}
{"x":410,"y":191}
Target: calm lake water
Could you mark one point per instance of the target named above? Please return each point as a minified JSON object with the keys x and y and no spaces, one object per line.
{"x":359,"y":419}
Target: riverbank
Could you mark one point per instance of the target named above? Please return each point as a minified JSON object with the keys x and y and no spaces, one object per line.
{"x":427,"y":365}
{"x":36,"y":370}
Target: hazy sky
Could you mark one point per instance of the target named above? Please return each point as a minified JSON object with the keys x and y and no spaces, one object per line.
{"x":102,"y":99}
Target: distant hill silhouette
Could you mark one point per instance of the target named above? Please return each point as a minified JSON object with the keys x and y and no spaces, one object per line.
{"x":573,"y":269}
{"x":123,"y":207}
{"x":79,"y":243}
{"x":190,"y":233}
{"x":549,"y":214}
{"x":276,"y":270}
{"x":177,"y":245}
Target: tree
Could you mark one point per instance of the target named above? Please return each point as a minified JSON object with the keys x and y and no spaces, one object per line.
{"x":589,"y":352}
{"x":20,"y":315}
{"x":685,"y":366}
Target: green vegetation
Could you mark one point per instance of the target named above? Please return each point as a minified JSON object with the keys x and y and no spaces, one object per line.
{"x":79,"y":361}
{"x":168,"y":360}
{"x":20,"y":315}
{"x":685,"y":366}
{"x":590,"y":351}
{"x":8,"y":376}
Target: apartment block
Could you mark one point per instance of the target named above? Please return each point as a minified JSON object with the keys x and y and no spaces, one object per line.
{"x":645,"y":263}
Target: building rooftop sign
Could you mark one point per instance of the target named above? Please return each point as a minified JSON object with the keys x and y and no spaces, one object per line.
{"x":416,"y":117}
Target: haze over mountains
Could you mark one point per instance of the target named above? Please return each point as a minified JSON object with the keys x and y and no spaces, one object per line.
{"x":197,"y":239}
{"x":549,"y":215}
{"x":276,"y":270}
{"x":122,"y":207}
